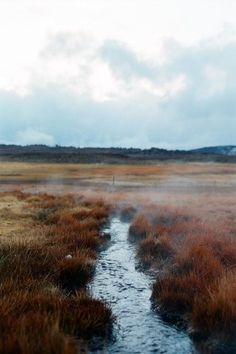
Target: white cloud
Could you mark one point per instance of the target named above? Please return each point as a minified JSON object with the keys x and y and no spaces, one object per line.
{"x":26,"y":27}
{"x":167,"y":89}
{"x":118,"y":72}
{"x":31,"y":136}
{"x":102,"y":84}
{"x":216,"y":80}
{"x":103,"y":71}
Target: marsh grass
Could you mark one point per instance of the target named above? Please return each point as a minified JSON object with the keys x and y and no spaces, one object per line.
{"x":140,"y":228}
{"x":198,"y":261}
{"x":127,"y":213}
{"x":217,"y":309}
{"x":43,"y":303}
{"x":155,"y":250}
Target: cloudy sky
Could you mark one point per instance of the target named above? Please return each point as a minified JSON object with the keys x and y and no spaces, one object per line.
{"x":127,"y":73}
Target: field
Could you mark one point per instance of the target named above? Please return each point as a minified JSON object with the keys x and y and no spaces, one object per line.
{"x":183,"y":225}
{"x":209,"y":188}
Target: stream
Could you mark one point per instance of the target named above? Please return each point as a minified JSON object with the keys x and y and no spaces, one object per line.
{"x":137,"y":329}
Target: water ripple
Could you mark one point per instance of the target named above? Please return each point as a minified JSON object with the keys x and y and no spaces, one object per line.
{"x":138,"y":329}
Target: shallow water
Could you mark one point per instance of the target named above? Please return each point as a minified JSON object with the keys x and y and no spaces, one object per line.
{"x":138,"y":329}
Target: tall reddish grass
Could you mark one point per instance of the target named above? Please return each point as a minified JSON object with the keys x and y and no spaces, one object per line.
{"x":140,"y":227}
{"x":216,"y":310}
{"x":43,"y":304}
{"x":155,"y":250}
{"x":197,"y":284}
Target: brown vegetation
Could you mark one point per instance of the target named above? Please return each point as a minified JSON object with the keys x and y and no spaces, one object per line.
{"x":43,"y":306}
{"x":217,"y":309}
{"x":127,"y":213}
{"x":198,"y":263}
{"x":155,"y":249}
{"x":189,"y":238}
{"x":140,"y":228}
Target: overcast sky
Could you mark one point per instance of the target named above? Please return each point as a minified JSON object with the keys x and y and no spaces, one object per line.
{"x":138,"y":73}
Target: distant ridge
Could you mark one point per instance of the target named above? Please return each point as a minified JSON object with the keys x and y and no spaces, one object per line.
{"x":223,"y":150}
{"x":70,"y":154}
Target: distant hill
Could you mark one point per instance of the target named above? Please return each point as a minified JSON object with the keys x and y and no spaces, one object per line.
{"x":70,"y":154}
{"x":229,"y":150}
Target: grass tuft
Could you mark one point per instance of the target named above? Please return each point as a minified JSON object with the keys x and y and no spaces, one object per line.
{"x":41,"y":309}
{"x":140,"y":228}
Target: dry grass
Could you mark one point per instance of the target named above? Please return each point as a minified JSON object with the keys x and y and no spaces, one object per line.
{"x":127,"y":213}
{"x":217,"y":309}
{"x":198,"y":262}
{"x":155,"y":250}
{"x":140,"y":228}
{"x":75,"y":273}
{"x":46,"y":321}
{"x":16,"y":219}
{"x":174,"y":295}
{"x":209,"y":188}
{"x":190,"y":236}
{"x":38,"y":171}
{"x":40,"y":306}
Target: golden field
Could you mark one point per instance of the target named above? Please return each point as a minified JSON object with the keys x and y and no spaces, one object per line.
{"x":210,"y":188}
{"x":183,"y":222}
